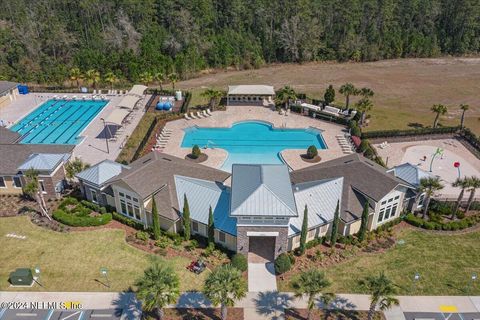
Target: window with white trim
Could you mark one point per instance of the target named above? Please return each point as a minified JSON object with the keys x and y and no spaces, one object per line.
{"x":388,"y":209}
{"x":324,"y":228}
{"x":42,"y":186}
{"x":195,"y":226}
{"x":221,"y":236}
{"x":311,"y":233}
{"x":17,"y":182}
{"x":2,"y":183}
{"x":94,"y":196}
{"x":128,"y":207}
{"x":420,"y":200}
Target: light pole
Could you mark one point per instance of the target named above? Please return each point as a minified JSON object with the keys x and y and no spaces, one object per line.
{"x":416,"y":277}
{"x":104,"y":273}
{"x":473,"y":278}
{"x":105,"y":134}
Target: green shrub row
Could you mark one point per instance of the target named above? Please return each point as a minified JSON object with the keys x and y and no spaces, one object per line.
{"x":411,"y":132}
{"x":435,"y":225}
{"x":81,"y":220}
{"x":127,"y":221}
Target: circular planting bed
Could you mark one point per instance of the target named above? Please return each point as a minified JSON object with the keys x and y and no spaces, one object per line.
{"x":201,"y":158}
{"x":310,"y":160}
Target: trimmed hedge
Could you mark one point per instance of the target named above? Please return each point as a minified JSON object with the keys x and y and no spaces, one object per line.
{"x":434,"y":225}
{"x":127,"y":221}
{"x":412,"y":132}
{"x":79,"y":219}
{"x":283,"y":263}
{"x":240,"y":262}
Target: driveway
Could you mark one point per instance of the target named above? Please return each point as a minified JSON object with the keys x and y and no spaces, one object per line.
{"x":261,"y":277}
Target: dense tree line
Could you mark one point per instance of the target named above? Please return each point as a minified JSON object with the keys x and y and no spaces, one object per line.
{"x":42,"y":40}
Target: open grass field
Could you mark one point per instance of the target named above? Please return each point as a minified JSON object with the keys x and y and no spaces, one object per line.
{"x":72,"y":261}
{"x":404,"y":89}
{"x":445,"y":264}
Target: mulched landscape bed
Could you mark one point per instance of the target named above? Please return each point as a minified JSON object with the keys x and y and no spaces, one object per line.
{"x":201,"y":158}
{"x":202,"y":314}
{"x":305,"y":158}
{"x":301,"y":314}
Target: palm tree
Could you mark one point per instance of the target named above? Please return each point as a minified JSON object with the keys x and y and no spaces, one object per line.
{"x":110,"y":78}
{"x":158,"y":287}
{"x":364,"y":105}
{"x":33,"y":190}
{"x":464,"y":108}
{"x":429,"y":186}
{"x":146,"y":78}
{"x":160,"y":78}
{"x":213,"y":97}
{"x":348,"y":90}
{"x":93,"y":77}
{"x":173,"y":78}
{"x":311,"y":283}
{"x":366,"y":92}
{"x":474,"y":184}
{"x":462,"y":183}
{"x":440,"y":110}
{"x":75,"y":166}
{"x":284,"y":96}
{"x":76,"y":75}
{"x":381,"y":290}
{"x":223,"y":286}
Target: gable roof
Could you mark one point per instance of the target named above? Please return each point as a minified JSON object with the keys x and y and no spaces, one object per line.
{"x":321,"y":198}
{"x":14,"y":155}
{"x":262,"y":190}
{"x":410,"y":173}
{"x":154,"y":173}
{"x":251,"y":89}
{"x":44,"y":161}
{"x":101,"y":172}
{"x":7,"y":85}
{"x":8,"y":136}
{"x":363,"y":179}
{"x":201,"y":194}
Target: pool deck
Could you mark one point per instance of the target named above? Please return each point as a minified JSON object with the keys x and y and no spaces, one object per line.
{"x":93,"y":148}
{"x":234,"y":114}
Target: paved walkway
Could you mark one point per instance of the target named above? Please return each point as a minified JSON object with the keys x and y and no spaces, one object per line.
{"x":261,"y":277}
{"x":261,"y":305}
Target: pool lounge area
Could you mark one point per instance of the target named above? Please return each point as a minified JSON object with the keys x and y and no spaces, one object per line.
{"x":252,"y":142}
{"x":58,"y":121}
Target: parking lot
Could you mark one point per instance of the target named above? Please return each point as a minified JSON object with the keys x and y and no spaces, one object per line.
{"x":441,"y":316}
{"x":30,"y":314}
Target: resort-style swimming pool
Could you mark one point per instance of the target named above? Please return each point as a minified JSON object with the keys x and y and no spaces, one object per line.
{"x":58,"y":121}
{"x":252,"y":142}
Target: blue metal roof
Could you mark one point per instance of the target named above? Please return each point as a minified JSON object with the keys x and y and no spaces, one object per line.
{"x":411,"y":173}
{"x":101,"y":172}
{"x":44,"y":161}
{"x":201,"y":194}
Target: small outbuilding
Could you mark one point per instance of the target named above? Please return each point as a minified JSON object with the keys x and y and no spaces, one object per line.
{"x":21,"y":277}
{"x":8,"y":93}
{"x":250,"y":94}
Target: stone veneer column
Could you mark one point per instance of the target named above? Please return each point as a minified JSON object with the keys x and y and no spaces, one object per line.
{"x":281,"y":241}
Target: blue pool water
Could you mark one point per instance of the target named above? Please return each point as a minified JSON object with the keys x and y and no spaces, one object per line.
{"x":252,"y":142}
{"x":58,"y":121}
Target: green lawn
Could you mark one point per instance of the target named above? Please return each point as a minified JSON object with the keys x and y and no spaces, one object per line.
{"x":445,"y":263}
{"x":71,"y":261}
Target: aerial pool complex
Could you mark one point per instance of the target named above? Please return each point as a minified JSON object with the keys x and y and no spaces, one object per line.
{"x":252,"y":142}
{"x":58,"y":121}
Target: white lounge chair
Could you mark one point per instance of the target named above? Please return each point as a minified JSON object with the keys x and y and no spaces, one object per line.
{"x":209,"y":112}
{"x":199,"y":115}
{"x":186,"y":117}
{"x":205,"y":114}
{"x":193,"y":115}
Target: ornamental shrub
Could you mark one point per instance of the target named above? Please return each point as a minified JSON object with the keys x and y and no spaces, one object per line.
{"x":240,"y":262}
{"x":312,"y":152}
{"x":142,"y":235}
{"x":196,"y":152}
{"x":283,"y":263}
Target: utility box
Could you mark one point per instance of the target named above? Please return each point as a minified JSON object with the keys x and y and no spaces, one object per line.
{"x":21,"y":277}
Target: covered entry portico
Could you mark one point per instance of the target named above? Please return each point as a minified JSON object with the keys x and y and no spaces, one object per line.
{"x":261,"y":249}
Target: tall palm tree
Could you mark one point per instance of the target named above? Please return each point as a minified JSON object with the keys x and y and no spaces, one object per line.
{"x":462,"y":183}
{"x":429,"y":186}
{"x":213,"y":97}
{"x":173,"y":78}
{"x":76,"y":75}
{"x":473,"y":186}
{"x":75,"y":166}
{"x":93,"y":77}
{"x":284,"y":96}
{"x":311,"y":284}
{"x":464,"y":108}
{"x":364,"y":105}
{"x":223,"y":286}
{"x":348,"y":90}
{"x":158,"y":287}
{"x":440,"y":110}
{"x":382,"y":291}
{"x":366,"y":92}
{"x":110,"y":78}
{"x":146,"y":78}
{"x":33,"y":190}
{"x":160,"y":78}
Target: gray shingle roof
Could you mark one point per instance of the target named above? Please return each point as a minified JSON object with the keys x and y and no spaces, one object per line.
{"x":7,"y":85}
{"x":44,"y":161}
{"x":262,"y":190}
{"x":101,"y":172}
{"x":8,"y":136}
{"x":201,"y":194}
{"x":13,"y":155}
{"x":410,"y":173}
{"x":154,"y":170}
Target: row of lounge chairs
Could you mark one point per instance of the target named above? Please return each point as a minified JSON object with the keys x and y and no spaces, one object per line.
{"x":162,"y":139}
{"x":198,"y":115}
{"x":383,"y":145}
{"x":345,"y":143}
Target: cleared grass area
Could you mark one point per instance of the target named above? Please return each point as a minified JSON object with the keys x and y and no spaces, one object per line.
{"x":404,"y":89}
{"x":445,"y":264}
{"x":72,"y":261}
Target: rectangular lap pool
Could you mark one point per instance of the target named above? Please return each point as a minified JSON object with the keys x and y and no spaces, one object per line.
{"x":58,"y":121}
{"x":252,"y":142}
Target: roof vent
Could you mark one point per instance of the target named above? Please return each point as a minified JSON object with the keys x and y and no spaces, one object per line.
{"x":348,"y":161}
{"x":166,"y":159}
{"x":146,"y":161}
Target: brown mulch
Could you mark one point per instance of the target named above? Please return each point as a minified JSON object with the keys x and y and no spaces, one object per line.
{"x":305,"y":158}
{"x":301,"y":314}
{"x":202,"y":314}
{"x":202,"y":158}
